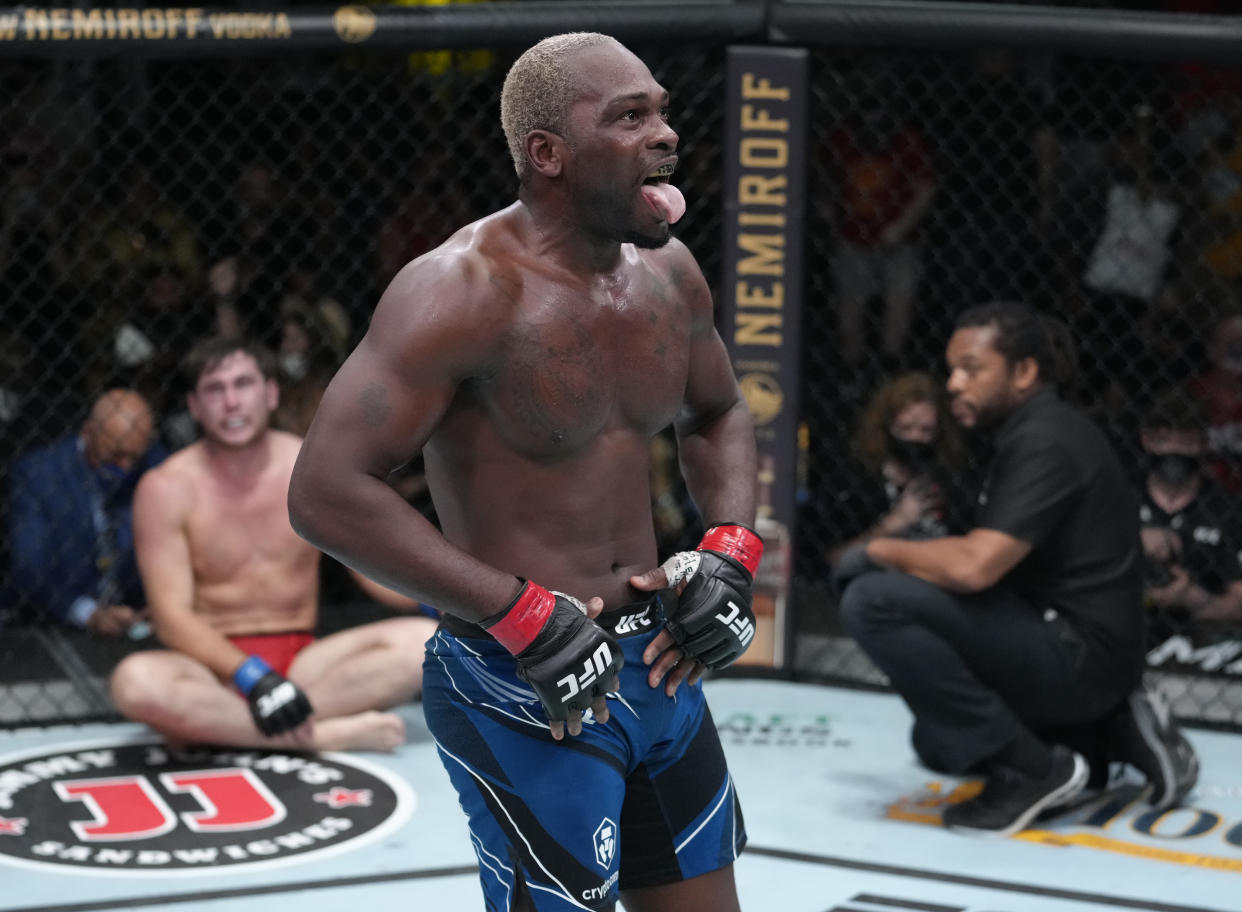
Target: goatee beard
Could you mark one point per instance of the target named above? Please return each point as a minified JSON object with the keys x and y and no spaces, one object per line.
{"x":647,"y":242}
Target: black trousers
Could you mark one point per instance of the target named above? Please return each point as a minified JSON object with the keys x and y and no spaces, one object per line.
{"x":976,"y":669}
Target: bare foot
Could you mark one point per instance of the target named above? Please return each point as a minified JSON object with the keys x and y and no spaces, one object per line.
{"x":367,"y":731}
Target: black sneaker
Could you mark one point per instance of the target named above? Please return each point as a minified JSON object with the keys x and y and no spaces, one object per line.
{"x":1148,"y":739}
{"x":1010,"y":800}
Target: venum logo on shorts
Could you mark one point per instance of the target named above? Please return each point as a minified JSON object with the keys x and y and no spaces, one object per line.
{"x":140,"y":808}
{"x":605,"y":840}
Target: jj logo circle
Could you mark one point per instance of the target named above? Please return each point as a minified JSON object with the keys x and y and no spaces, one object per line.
{"x":141,"y":808}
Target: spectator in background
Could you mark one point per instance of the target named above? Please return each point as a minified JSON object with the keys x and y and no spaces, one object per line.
{"x":1033,"y":619}
{"x":247,"y":279}
{"x":32,"y":257}
{"x":72,"y":557}
{"x":234,"y":592}
{"x":1192,"y":536}
{"x":164,"y":315}
{"x":136,"y":231}
{"x":17,"y":410}
{"x":136,"y":261}
{"x":993,"y":151}
{"x":34,"y":261}
{"x":1221,"y":249}
{"x":1124,"y":275}
{"x":911,"y":456}
{"x":423,"y":219}
{"x":1220,"y":390}
{"x":884,"y":186}
{"x":313,"y":341}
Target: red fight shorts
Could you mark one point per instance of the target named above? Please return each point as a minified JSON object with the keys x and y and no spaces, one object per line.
{"x":276,"y":649}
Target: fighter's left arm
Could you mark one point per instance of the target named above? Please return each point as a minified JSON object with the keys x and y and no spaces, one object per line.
{"x":715,"y":431}
{"x":716,"y":447}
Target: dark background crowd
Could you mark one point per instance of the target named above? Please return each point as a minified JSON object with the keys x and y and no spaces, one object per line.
{"x":147,"y":203}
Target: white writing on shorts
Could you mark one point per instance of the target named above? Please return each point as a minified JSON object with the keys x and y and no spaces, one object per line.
{"x":631,"y":622}
{"x":601,"y":891}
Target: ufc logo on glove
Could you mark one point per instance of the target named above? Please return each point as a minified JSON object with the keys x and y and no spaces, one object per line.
{"x":592,"y":669}
{"x":714,"y":621}
{"x":741,"y":626}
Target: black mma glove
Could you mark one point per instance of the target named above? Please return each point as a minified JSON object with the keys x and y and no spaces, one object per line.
{"x":276,"y":703}
{"x":714,"y":622}
{"x":566,"y":657}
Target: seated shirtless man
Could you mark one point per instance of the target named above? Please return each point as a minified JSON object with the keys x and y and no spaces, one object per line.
{"x":233,"y":592}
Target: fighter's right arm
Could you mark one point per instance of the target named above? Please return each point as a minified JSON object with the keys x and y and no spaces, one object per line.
{"x":161,"y":546}
{"x":435,"y":327}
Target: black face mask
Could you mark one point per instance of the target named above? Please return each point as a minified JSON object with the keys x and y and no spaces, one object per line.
{"x":1174,"y":469}
{"x":915,"y":456}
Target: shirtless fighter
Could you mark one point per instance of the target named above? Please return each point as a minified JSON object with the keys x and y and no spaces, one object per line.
{"x":531,"y":358}
{"x":233,"y":592}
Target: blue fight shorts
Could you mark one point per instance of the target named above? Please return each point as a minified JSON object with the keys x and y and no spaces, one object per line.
{"x":642,"y":800}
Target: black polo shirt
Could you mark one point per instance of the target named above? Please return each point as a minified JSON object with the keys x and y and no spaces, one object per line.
{"x":1055,"y":483}
{"x":1209,"y":530}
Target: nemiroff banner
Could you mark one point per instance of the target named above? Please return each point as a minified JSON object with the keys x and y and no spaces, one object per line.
{"x":761,"y":300}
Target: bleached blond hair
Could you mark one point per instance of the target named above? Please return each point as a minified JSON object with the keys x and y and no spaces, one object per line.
{"x":538,"y":90}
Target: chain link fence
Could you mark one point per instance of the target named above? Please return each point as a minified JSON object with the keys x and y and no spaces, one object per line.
{"x":149,"y":202}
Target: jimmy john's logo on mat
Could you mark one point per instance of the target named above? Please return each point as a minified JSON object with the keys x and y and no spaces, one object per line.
{"x":140,"y":808}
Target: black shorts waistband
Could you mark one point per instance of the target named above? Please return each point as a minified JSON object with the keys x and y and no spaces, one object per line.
{"x":625,"y":620}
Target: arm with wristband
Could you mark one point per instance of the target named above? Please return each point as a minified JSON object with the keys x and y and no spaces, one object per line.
{"x":569,"y":660}
{"x":277,"y":705}
{"x":715,"y":622}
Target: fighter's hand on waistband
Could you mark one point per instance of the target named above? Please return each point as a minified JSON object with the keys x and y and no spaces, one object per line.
{"x":714,"y":621}
{"x":569,"y":660}
{"x":277,"y":705}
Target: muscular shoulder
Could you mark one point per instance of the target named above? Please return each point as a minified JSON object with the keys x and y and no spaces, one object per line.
{"x":453,"y":301}
{"x":168,"y":488}
{"x":285,"y":445}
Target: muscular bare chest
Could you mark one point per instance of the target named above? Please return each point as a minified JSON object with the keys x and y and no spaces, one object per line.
{"x":238,"y":536}
{"x":579,"y":361}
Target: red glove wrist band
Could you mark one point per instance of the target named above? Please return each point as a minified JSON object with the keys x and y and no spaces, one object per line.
{"x":521,"y":622}
{"x":736,"y":542}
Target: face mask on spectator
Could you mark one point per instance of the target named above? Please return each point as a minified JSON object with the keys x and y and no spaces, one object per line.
{"x":294,"y":364}
{"x":112,"y":477}
{"x":916,"y":456}
{"x":1174,"y":468}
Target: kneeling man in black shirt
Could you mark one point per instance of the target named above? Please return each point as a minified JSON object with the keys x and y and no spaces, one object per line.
{"x":1033,"y":620}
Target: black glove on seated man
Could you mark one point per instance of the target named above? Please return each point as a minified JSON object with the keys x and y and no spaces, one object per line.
{"x":276,"y":704}
{"x":715,"y":622}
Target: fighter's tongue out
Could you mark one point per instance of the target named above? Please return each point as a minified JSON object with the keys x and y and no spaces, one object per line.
{"x":666,"y":200}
